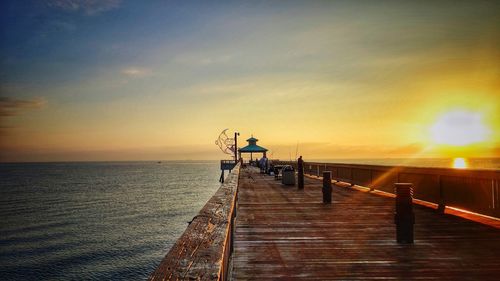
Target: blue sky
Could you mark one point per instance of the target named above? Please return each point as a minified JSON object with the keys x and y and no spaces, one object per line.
{"x":165,"y":75}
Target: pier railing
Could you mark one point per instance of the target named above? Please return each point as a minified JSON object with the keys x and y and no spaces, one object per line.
{"x":468,"y":189}
{"x":204,"y":249}
{"x":281,"y":162}
{"x":227,"y":164}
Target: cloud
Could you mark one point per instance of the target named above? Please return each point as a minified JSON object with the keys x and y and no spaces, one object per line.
{"x":89,"y":7}
{"x":136,"y":72}
{"x":12,"y":106}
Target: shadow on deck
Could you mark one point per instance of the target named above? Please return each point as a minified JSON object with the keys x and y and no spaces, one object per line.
{"x":282,"y":233}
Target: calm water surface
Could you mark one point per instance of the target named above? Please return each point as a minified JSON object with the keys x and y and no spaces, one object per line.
{"x":96,"y":221}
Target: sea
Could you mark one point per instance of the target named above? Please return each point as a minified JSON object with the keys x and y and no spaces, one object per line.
{"x":96,"y":221}
{"x":111,"y":220}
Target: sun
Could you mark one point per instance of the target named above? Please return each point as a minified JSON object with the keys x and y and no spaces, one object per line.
{"x":459,"y":128}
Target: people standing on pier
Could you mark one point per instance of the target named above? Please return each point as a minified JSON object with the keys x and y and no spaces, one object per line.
{"x":263,"y":164}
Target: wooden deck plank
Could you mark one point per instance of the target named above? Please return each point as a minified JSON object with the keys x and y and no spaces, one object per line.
{"x":283,"y":233}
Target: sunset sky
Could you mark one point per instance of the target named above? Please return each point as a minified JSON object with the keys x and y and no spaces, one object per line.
{"x":144,"y":80}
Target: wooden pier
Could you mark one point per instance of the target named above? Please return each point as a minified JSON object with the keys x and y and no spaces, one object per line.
{"x":282,"y":233}
{"x":255,"y":228}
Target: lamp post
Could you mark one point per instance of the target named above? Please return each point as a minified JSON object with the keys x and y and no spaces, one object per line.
{"x":236,"y":134}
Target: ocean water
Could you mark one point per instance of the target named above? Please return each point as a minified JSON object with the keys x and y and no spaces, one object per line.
{"x":96,"y":221}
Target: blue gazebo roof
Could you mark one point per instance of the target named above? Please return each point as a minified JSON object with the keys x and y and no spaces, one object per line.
{"x":252,"y":146}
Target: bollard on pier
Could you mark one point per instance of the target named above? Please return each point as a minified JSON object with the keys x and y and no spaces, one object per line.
{"x":327,"y":187}
{"x":300,"y":173}
{"x":404,"y":218}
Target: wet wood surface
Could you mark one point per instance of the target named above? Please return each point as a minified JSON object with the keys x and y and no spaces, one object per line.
{"x":282,"y":233}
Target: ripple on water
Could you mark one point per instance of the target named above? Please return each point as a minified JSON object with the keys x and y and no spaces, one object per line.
{"x":96,"y":221}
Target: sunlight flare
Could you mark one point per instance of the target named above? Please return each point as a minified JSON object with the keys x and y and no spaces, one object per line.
{"x":459,"y":128}
{"x":459,"y":163}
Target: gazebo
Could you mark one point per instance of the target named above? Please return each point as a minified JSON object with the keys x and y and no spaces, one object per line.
{"x":252,"y":148}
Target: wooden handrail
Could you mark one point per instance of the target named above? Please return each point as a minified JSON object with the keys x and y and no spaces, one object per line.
{"x":475,"y":190}
{"x":204,"y":249}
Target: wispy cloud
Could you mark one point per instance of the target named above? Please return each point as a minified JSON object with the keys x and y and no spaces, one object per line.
{"x":12,"y":106}
{"x":89,"y":7}
{"x":136,"y":72}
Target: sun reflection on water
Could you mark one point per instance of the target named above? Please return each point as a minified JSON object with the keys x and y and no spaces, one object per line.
{"x":459,"y":163}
